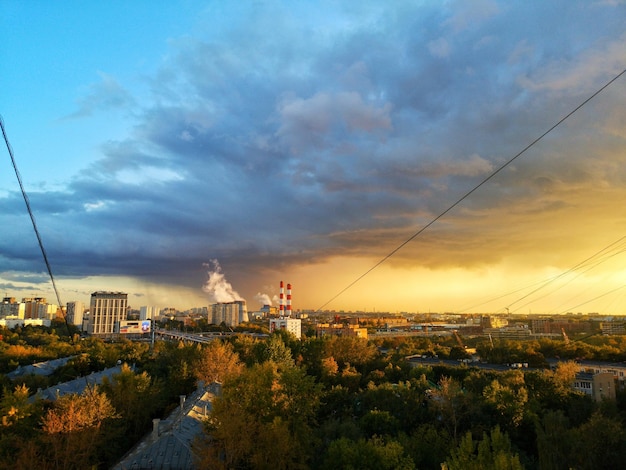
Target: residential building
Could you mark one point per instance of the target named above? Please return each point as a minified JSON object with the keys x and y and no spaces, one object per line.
{"x":229,"y":313}
{"x":599,"y":386}
{"x":148,"y":313}
{"x":75,"y":313}
{"x":292,"y":325}
{"x":10,"y":308}
{"x":106,"y":309}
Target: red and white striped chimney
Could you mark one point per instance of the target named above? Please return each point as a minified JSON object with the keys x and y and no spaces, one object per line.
{"x":289,"y":300}
{"x":282,"y":299}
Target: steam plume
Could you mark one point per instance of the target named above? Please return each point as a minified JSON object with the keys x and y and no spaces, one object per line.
{"x":218,"y":288}
{"x":263,"y":299}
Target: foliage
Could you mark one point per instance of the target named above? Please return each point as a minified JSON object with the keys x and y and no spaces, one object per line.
{"x":332,"y":402}
{"x":493,"y":452}
{"x":263,"y":419}
{"x":375,"y":454}
{"x":72,"y":428}
{"x":216,"y":362}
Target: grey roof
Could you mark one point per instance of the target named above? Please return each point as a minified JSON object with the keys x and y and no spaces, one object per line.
{"x":172,"y":448}
{"x":40,"y":368}
{"x":76,"y":386}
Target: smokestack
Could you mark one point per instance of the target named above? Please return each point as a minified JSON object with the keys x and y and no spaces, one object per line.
{"x":289,"y":300}
{"x":282,"y":299}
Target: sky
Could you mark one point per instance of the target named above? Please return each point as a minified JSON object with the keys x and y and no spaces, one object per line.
{"x":199,"y":151}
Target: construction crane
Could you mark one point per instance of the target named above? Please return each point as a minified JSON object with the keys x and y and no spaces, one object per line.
{"x":458,"y":339}
{"x":565,"y":337}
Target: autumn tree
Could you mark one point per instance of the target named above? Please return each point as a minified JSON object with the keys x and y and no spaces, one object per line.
{"x":349,"y":350}
{"x":216,"y":362}
{"x":72,"y":428}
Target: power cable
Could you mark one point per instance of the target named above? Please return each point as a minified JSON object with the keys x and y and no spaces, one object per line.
{"x":474,"y":189}
{"x":583,"y":263}
{"x":32,"y":216}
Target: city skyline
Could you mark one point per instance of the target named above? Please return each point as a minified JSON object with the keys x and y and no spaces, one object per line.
{"x":208,"y":149}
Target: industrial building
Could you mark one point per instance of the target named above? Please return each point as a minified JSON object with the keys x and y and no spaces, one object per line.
{"x":285,"y":321}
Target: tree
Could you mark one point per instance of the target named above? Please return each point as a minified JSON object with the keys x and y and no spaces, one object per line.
{"x":554,"y":443}
{"x":72,"y":428}
{"x":263,"y":419}
{"x":374,"y":454}
{"x":218,"y":360}
{"x":427,"y":445}
{"x":493,"y":452}
{"x":601,"y":443}
{"x":509,"y":401}
{"x":349,"y":350}
{"x":136,"y":398}
{"x":276,"y":350}
{"x":449,"y":400}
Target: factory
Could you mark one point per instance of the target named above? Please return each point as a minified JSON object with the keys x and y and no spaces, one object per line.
{"x":285,"y":321}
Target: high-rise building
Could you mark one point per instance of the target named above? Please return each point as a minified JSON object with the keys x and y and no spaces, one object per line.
{"x":229,"y":313}
{"x":10,"y":308}
{"x":75,"y":312}
{"x":149,"y":313}
{"x":106,"y":310}
{"x":31,"y":306}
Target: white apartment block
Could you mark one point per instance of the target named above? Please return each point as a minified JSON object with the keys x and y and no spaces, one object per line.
{"x":106,"y":310}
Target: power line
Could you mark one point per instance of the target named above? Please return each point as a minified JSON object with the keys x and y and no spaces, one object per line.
{"x":582,"y":264}
{"x":30,"y":212}
{"x":474,"y":189}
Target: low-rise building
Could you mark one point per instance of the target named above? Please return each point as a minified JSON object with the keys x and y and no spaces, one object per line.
{"x":335,"y":329}
{"x":292,"y":325}
{"x":599,"y":386}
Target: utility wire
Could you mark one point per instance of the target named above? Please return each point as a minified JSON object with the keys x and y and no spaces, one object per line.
{"x":30,"y":212}
{"x":474,"y":189}
{"x":572,"y":269}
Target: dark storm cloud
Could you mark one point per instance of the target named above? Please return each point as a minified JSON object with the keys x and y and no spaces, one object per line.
{"x":280,"y":141}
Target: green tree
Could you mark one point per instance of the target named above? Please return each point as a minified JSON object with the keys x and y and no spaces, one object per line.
{"x":600,"y":443}
{"x":493,"y":452}
{"x":554,"y":443}
{"x":427,"y":445}
{"x":263,"y":419}
{"x":135,"y":397}
{"x":375,"y":454}
{"x":275,"y":350}
{"x":448,"y":400}
{"x":508,"y":400}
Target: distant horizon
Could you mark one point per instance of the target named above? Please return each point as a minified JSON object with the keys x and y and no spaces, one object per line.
{"x":296,"y":309}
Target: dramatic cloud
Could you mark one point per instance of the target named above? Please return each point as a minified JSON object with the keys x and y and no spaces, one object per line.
{"x":274,"y":139}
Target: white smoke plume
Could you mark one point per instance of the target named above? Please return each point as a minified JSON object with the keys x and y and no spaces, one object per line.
{"x":263,"y":299}
{"x":218,"y":288}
